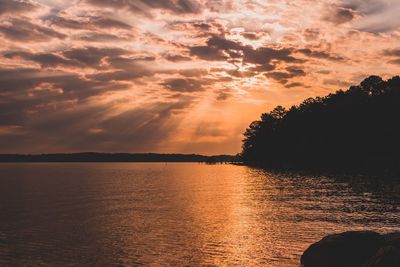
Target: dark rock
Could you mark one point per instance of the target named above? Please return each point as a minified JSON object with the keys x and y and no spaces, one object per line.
{"x":344,"y":250}
{"x":388,"y":256}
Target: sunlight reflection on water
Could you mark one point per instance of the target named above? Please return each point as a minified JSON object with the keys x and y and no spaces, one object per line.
{"x":178,"y":214}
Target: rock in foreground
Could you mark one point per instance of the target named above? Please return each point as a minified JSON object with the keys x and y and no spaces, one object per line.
{"x":354,"y":249}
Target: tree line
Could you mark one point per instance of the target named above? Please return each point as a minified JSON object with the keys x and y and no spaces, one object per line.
{"x":357,"y":129}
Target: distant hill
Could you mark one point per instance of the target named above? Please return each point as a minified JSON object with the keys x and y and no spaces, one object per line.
{"x":116,"y":157}
{"x":357,"y":129}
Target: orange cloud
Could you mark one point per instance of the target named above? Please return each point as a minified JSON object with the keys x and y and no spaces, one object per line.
{"x":176,"y":75}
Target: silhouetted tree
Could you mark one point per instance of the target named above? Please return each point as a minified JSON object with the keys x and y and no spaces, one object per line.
{"x":354,"y":129}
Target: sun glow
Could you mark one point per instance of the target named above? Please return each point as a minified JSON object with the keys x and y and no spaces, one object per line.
{"x":173,"y":73}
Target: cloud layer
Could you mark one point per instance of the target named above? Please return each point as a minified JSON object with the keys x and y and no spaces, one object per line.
{"x":176,"y":75}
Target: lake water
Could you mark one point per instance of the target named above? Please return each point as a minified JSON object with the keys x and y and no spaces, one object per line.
{"x":178,"y":214}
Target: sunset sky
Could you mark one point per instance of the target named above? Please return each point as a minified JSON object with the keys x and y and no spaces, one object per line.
{"x":180,"y":76}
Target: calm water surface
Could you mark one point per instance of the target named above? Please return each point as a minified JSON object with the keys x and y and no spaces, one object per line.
{"x":184,"y":214}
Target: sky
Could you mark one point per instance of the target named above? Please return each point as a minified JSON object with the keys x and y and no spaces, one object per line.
{"x":177,"y":76}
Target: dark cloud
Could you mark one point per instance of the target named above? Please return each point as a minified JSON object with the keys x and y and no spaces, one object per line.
{"x":88,"y":23}
{"x":264,"y":55}
{"x":184,"y":85}
{"x":16,"y":7}
{"x":224,"y":94}
{"x":376,"y":16}
{"x":143,"y":6}
{"x":208,"y":53}
{"x":294,"y":84}
{"x":283,"y":76}
{"x":366,"y":7}
{"x":25,"y":31}
{"x":193,"y":72}
{"x":219,"y":49}
{"x":30,"y":97}
{"x":151,"y":124}
{"x":176,"y":58}
{"x":237,"y":73}
{"x":220,"y":6}
{"x":319,"y":54}
{"x":90,"y":57}
{"x":125,"y":69}
{"x":44,"y":59}
{"x":89,"y":127}
{"x":263,"y":68}
{"x":394,"y":54}
{"x":340,"y":15}
{"x":105,"y":37}
{"x":395,"y":61}
{"x":198,"y":28}
{"x":126,"y":63}
{"x":336,"y":82}
{"x":21,"y":79}
{"x":121,"y":75}
{"x":202,"y":25}
{"x":311,"y":34}
{"x":223,"y":44}
{"x":93,"y":56}
{"x":252,"y":35}
{"x":18,"y":82}
{"x":110,"y":23}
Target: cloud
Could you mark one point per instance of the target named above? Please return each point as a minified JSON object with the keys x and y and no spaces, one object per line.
{"x":208,"y":53}
{"x":283,"y":76}
{"x":367,"y":7}
{"x":220,"y":49}
{"x":24,"y":82}
{"x":105,"y":37}
{"x":339,"y":15}
{"x":84,"y":57}
{"x":337,"y":82}
{"x":294,"y":84}
{"x":198,"y":28}
{"x":121,"y":75}
{"x":16,"y":7}
{"x":311,"y":34}
{"x":395,"y":61}
{"x":377,"y":16}
{"x":125,"y":69}
{"x":24,"y":31}
{"x":184,"y":85}
{"x":93,"y":56}
{"x":394,"y":54}
{"x":264,"y":55}
{"x":90,"y":128}
{"x":37,"y":103}
{"x":143,"y":6}
{"x":253,"y":35}
{"x":100,"y":74}
{"x":93,"y":22}
{"x":44,"y":59}
{"x":151,"y":124}
{"x":176,"y":58}
{"x":224,"y":94}
{"x":319,"y":54}
{"x":193,"y":72}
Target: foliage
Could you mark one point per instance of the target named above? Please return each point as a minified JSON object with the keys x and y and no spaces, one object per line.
{"x":358,"y":128}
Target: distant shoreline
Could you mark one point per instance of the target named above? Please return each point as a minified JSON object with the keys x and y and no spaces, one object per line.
{"x":116,"y":157}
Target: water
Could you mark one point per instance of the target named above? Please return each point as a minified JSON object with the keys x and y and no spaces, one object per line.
{"x":181,"y":214}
